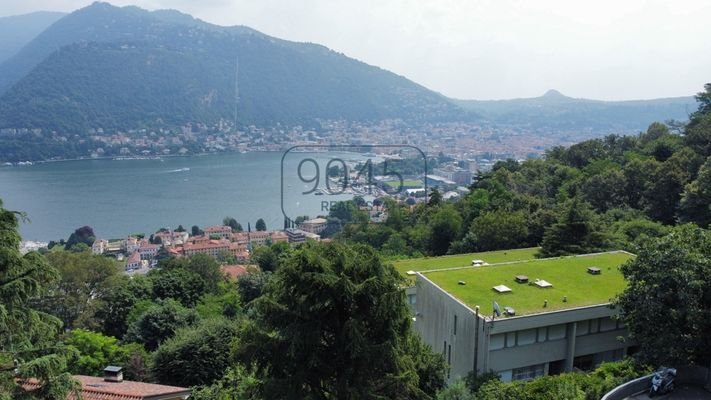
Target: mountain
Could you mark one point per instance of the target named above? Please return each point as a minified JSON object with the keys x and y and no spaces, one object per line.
{"x":119,"y":68}
{"x":18,"y":30}
{"x":555,"y":111}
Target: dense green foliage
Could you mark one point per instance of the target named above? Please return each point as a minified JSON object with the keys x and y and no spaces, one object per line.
{"x":339,"y":311}
{"x":196,"y":355}
{"x":600,"y":194}
{"x":669,"y":278}
{"x":569,"y":386}
{"x":27,"y":334}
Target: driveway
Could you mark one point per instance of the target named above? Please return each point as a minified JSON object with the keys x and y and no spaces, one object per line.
{"x":683,"y":392}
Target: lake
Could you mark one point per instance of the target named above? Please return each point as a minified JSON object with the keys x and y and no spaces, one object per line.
{"x":119,"y":197}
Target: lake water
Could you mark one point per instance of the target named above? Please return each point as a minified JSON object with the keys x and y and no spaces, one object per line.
{"x":119,"y":197}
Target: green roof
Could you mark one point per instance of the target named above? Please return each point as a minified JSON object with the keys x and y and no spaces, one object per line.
{"x":462,"y":260}
{"x":568,"y":275}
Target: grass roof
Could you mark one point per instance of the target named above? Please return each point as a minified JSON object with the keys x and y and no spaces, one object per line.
{"x":462,"y":260}
{"x":568,"y":275}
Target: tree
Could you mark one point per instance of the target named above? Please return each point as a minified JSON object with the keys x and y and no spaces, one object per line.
{"x":179,"y":284}
{"x":238,"y":383}
{"x":458,"y":390}
{"x":94,"y":351}
{"x":575,"y":231}
{"x":497,"y":230}
{"x":669,"y":277}
{"x":85,"y":235}
{"x":85,"y":281}
{"x":696,"y":201}
{"x":160,"y":323}
{"x":119,"y":301}
{"x":196,"y":231}
{"x":269,"y":257}
{"x":251,"y":285}
{"x":339,"y":310}
{"x":232,"y":223}
{"x":260,"y":225}
{"x":28,"y":335}
{"x":435,"y":197}
{"x":445,"y":226}
{"x":180,"y":229}
{"x":196,"y":355}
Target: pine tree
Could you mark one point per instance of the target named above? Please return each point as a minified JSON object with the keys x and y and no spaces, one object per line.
{"x":28,"y":337}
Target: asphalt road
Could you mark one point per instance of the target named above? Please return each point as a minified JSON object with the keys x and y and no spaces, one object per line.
{"x":682,"y":392}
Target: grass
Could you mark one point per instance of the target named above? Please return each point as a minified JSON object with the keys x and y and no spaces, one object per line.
{"x":462,"y":260}
{"x":568,"y":275}
{"x":406,"y":183}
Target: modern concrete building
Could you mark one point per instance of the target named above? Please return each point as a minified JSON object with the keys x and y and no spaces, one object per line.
{"x":557,"y":320}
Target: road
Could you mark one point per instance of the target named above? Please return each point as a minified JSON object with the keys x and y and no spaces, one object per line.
{"x":680,"y":393}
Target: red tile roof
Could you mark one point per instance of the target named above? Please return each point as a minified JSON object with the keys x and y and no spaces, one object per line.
{"x":96,"y":388}
{"x":234,"y":271}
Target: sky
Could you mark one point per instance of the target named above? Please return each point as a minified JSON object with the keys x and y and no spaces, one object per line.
{"x":485,"y":49}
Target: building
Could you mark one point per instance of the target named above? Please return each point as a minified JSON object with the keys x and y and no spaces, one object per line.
{"x":222,"y":231}
{"x":147,"y":250}
{"x":99,"y":247}
{"x":130,"y":245}
{"x":216,"y":248}
{"x":234,"y":272}
{"x":553,"y":315}
{"x":113,"y":387}
{"x":315,"y":225}
{"x":134,"y":261}
{"x":300,"y":236}
{"x":259,"y":238}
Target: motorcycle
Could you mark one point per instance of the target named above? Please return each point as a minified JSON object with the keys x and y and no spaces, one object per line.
{"x":662,"y":381}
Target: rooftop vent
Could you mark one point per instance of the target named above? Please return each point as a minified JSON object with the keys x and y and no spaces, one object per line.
{"x":113,"y":374}
{"x":542,"y":283}
{"x":594,"y":271}
{"x":521,"y":279}
{"x":502,"y":289}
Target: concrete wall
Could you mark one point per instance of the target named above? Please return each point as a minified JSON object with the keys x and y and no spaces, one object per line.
{"x":469,"y":346}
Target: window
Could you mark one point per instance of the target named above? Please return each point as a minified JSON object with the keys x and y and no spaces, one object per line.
{"x":542,"y":334}
{"x":496,"y":342}
{"x":412,"y":299}
{"x":455,"y":324}
{"x":556,"y":332}
{"x":607,"y":324}
{"x":528,"y":373}
{"x":582,"y":328}
{"x":526,"y":337}
{"x":594,"y":325}
{"x":621,"y":324}
{"x":505,"y":376}
{"x":511,"y":339}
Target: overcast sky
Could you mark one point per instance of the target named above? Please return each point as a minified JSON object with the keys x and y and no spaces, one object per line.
{"x":485,"y":49}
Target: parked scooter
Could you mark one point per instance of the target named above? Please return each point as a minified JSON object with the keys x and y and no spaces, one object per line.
{"x":662,"y":381}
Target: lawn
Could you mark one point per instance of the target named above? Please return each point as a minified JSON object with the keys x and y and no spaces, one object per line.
{"x":568,"y":275}
{"x":406,"y":183}
{"x":463,"y":260}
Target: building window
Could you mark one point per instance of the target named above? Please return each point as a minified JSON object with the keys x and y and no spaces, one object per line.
{"x":526,"y":337}
{"x":511,"y":339}
{"x":528,"y":373}
{"x":542,"y":334}
{"x":582,"y":328}
{"x":497,"y":342}
{"x":556,"y":332}
{"x":455,"y":325}
{"x":505,"y":376}
{"x":607,"y":324}
{"x":621,"y":324}
{"x":412,"y":299}
{"x":594,"y":325}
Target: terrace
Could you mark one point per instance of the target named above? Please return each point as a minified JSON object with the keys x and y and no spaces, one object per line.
{"x":572,"y":285}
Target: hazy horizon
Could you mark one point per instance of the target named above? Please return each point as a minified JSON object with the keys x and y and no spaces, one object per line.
{"x":483,"y":50}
